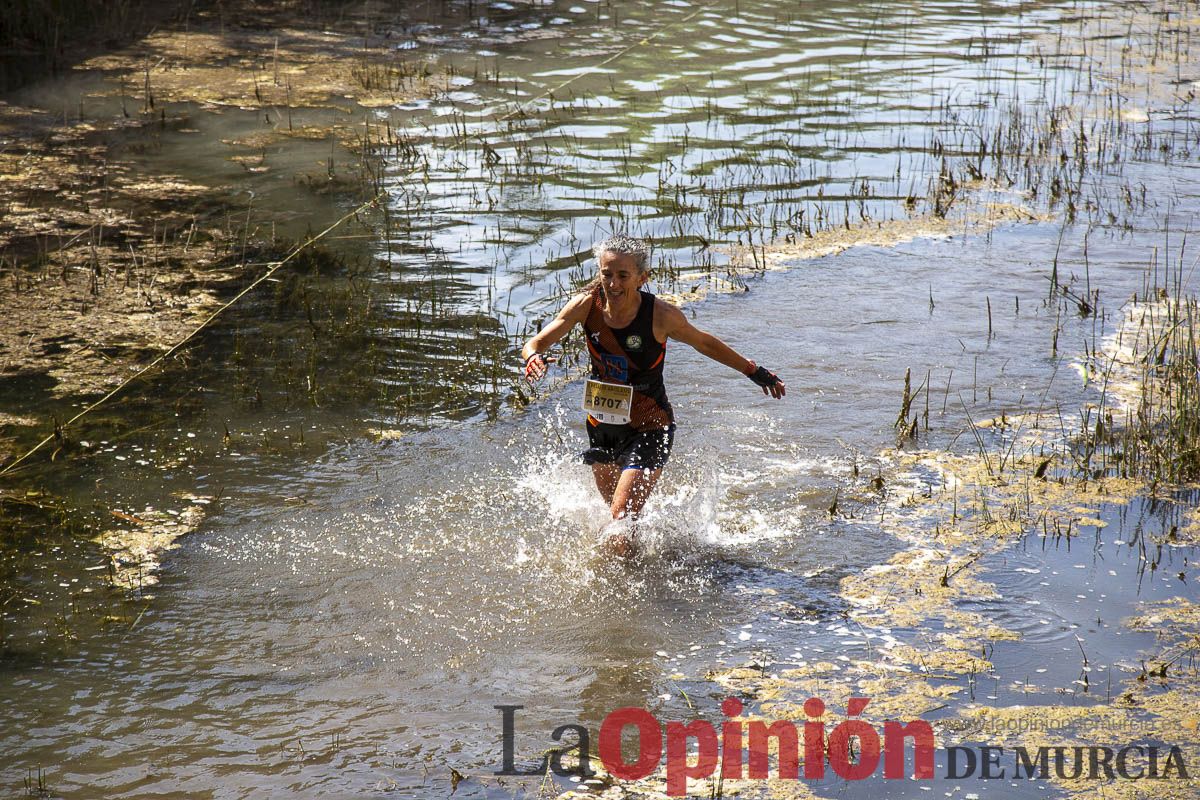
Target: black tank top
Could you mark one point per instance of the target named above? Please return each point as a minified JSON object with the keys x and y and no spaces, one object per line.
{"x":631,"y":356}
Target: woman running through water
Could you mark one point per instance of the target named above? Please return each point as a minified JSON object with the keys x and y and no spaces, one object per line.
{"x":630,"y":424}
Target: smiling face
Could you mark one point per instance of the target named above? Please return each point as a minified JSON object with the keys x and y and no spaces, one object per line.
{"x":620,"y":277}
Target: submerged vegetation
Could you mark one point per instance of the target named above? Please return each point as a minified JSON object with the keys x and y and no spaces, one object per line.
{"x":1150,"y":425}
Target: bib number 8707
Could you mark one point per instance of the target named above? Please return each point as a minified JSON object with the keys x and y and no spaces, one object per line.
{"x":608,"y":402}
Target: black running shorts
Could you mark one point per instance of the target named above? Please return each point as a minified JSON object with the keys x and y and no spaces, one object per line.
{"x":622,"y":445}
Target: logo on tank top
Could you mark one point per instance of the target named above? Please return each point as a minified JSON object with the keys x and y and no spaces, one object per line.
{"x":633,"y":342}
{"x":614,"y":368}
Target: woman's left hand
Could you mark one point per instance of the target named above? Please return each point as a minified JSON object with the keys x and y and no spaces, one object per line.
{"x":769,"y":381}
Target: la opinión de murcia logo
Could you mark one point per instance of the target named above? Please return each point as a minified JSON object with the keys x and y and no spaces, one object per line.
{"x":852,"y":750}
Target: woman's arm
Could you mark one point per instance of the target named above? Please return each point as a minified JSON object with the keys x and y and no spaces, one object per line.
{"x":572,"y":314}
{"x":676,"y":326}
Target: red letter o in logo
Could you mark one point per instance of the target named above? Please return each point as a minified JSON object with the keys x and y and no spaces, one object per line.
{"x":649,"y":743}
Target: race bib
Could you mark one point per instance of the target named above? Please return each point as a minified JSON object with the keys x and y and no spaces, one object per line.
{"x":608,"y":402}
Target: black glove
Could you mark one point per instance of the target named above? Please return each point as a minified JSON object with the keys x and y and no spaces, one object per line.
{"x":769,"y":381}
{"x":764,"y":377}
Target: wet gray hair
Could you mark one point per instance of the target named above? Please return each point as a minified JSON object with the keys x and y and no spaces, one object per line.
{"x":624,"y":245}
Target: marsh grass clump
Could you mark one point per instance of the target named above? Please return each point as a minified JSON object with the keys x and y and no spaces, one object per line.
{"x":1159,"y":437}
{"x":392,"y":77}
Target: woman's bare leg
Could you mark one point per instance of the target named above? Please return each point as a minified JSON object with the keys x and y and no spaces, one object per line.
{"x":632,"y":490}
{"x":606,"y":476}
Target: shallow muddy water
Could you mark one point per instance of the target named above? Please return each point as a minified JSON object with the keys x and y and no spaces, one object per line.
{"x":355,"y":604}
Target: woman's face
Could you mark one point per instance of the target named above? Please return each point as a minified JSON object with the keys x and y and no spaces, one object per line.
{"x":619,"y":276}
